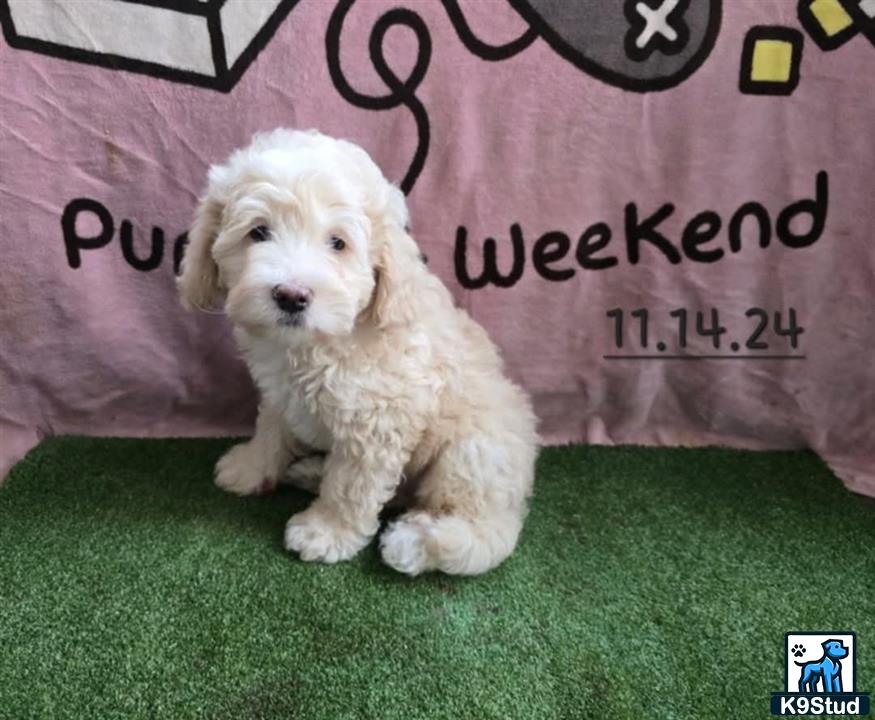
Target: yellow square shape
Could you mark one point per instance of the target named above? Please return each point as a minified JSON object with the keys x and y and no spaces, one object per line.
{"x":833,"y":18}
{"x":772,"y":61}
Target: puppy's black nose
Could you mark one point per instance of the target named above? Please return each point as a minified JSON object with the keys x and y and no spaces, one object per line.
{"x":291,"y":298}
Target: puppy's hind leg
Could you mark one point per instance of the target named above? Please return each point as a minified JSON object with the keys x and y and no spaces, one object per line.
{"x":468,"y":512}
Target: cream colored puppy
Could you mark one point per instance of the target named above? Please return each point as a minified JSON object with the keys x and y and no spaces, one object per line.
{"x":359,"y":354}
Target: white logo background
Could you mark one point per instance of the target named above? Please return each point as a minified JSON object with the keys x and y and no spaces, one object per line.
{"x":813,"y":652}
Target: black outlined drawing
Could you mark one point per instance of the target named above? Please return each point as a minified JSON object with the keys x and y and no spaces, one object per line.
{"x":222,"y":37}
{"x":770,"y":60}
{"x":827,"y":36}
{"x":653,"y":45}
{"x":863,"y":14}
{"x":637,"y":45}
{"x":655,"y":26}
{"x":403,"y":92}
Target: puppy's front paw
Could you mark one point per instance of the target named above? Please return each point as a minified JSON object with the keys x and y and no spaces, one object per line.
{"x":241,"y":471}
{"x":314,"y":535}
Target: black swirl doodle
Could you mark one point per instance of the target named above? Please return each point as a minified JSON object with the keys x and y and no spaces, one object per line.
{"x":403,"y":92}
{"x":476,"y":46}
{"x":216,"y":72}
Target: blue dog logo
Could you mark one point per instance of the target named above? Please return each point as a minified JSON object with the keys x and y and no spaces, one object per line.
{"x":822,"y":686}
{"x":827,"y":670}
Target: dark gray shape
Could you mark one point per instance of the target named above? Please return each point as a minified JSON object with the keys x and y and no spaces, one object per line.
{"x":594,"y":36}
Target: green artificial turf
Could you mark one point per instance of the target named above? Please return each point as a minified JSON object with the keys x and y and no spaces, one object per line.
{"x":647,"y":584}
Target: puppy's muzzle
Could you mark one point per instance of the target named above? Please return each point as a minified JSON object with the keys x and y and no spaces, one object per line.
{"x":291,"y":299}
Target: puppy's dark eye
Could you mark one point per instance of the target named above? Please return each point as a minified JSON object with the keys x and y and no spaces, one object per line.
{"x":337,"y":243}
{"x":259,"y":233}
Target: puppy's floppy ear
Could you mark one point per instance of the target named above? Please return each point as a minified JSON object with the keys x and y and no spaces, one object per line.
{"x":199,"y":280}
{"x":398,"y":259}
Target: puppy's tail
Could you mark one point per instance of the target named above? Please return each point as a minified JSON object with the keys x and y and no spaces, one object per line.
{"x":418,"y":542}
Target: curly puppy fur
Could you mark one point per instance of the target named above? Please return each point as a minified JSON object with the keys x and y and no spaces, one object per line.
{"x":359,"y":354}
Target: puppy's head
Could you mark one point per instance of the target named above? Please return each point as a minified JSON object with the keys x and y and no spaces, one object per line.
{"x":299,"y":233}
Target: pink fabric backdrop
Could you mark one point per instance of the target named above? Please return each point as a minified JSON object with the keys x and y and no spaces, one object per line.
{"x":534,"y":140}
